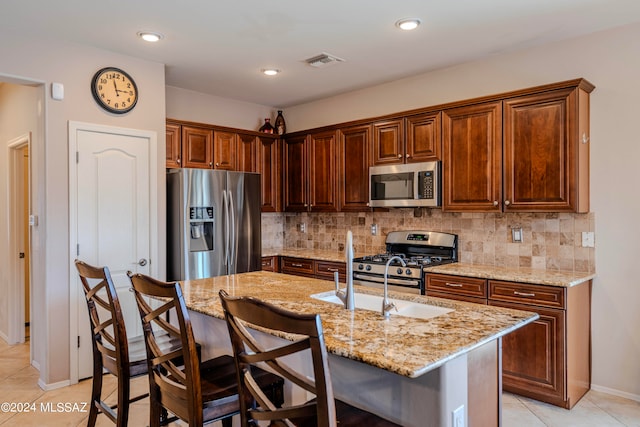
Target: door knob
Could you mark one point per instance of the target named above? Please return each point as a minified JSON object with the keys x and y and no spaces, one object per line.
{"x":142,"y":262}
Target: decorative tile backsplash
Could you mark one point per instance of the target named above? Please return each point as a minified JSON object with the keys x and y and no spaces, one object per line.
{"x":551,"y":241}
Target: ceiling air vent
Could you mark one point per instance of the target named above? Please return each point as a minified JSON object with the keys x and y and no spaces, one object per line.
{"x":323,"y":60}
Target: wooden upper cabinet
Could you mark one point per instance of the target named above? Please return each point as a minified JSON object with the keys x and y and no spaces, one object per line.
{"x":472,"y":157}
{"x":424,"y":137}
{"x":323,"y":172}
{"x":296,"y":174}
{"x":174,"y":149}
{"x":354,"y":168}
{"x":269,"y":166}
{"x":197,"y":147}
{"x":388,"y":142}
{"x":546,"y":152}
{"x":224,"y":150}
{"x":247,"y":153}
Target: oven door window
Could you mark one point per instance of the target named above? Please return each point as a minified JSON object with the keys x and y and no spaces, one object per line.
{"x":392,"y":186}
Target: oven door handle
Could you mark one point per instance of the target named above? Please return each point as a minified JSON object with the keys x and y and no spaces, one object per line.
{"x":391,"y":281}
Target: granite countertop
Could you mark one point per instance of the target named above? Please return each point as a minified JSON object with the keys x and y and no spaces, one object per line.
{"x":521,"y":275}
{"x":403,"y":345}
{"x":319,"y":254}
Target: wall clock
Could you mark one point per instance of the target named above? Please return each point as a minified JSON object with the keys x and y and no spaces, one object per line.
{"x":114,"y":90}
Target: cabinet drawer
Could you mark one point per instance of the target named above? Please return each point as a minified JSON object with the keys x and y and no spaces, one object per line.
{"x":326,"y":269}
{"x":458,"y":285}
{"x":300,"y":266}
{"x":545,"y":296}
{"x":270,"y":263}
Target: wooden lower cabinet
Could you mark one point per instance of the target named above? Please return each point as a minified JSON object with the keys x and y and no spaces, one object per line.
{"x":270,"y":263}
{"x":297,"y":266}
{"x":308,"y":267}
{"x":327,"y":269}
{"x":547,"y":360}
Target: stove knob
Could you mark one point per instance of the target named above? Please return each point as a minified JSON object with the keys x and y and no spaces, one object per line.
{"x":360,"y":266}
{"x":408,"y":271}
{"x":368,"y":268}
{"x":399,"y":271}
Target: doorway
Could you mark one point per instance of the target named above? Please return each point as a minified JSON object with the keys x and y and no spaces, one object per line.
{"x":19,"y":239}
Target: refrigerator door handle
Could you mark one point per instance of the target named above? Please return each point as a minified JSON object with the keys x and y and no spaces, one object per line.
{"x":225,"y":205}
{"x":232,"y":241}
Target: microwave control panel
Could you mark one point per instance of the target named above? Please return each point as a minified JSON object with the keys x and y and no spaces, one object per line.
{"x":426,"y":185}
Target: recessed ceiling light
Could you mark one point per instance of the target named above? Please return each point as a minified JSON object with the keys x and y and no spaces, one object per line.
{"x":408,"y":24}
{"x":149,"y":37}
{"x":270,"y":71}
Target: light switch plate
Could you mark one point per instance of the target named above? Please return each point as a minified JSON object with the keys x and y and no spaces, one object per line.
{"x":516,"y":235}
{"x":588,"y":239}
{"x":57,"y":91}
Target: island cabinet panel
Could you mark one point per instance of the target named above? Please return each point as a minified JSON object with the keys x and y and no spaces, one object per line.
{"x":549,"y":359}
{"x":388,"y":142}
{"x":457,"y":287}
{"x":197,"y":147}
{"x":297,"y":266}
{"x":174,"y":150}
{"x":269,"y":165}
{"x":224,"y":150}
{"x":424,"y":137}
{"x":353,"y":168}
{"x":472,"y":158}
{"x":542,"y":152}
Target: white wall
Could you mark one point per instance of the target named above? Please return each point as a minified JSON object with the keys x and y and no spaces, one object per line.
{"x":609,"y":60}
{"x":183,"y":104}
{"x":73,"y":66}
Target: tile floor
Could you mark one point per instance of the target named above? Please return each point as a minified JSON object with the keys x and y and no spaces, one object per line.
{"x":18,"y":384}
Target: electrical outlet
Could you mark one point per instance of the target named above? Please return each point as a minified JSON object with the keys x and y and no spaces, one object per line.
{"x":457,"y":417}
{"x":516,"y":235}
{"x":374,"y":229}
{"x":303,"y":227}
{"x":588,"y":239}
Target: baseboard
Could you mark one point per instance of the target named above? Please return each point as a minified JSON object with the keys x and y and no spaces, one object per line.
{"x":615,"y":392}
{"x":53,"y":386}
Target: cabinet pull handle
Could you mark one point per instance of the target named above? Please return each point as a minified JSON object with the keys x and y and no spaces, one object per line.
{"x":454,"y":285}
{"x":333,"y":270}
{"x":524,"y":294}
{"x":296,"y":265}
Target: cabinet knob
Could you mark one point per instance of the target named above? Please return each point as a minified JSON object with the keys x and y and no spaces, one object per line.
{"x":178,"y":161}
{"x":210,"y":163}
{"x":305,"y":205}
{"x":507,"y":203}
{"x":585,"y":138}
{"x":495,"y":203}
{"x":408,"y":156}
{"x":399,"y":156}
{"x":217,"y":164}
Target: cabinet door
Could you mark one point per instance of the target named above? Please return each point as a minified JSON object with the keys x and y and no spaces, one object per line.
{"x":533,"y":357}
{"x":388,"y":142}
{"x":296,"y":174}
{"x":269,"y":166}
{"x":323,"y":172}
{"x":197,"y":147}
{"x":424,"y":137}
{"x":173,"y":145}
{"x":472,"y":158}
{"x":247,"y":153}
{"x":541,"y":152}
{"x":224,"y":150}
{"x":354,"y":168}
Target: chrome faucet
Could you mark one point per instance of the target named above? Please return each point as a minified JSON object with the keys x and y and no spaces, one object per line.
{"x":347,"y":296}
{"x":386,"y":304}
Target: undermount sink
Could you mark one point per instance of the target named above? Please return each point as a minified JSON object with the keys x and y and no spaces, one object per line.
{"x":374,"y":303}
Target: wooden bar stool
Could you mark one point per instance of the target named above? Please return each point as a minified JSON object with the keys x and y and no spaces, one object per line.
{"x":195,"y":392}
{"x":323,"y":411}
{"x":111,"y":348}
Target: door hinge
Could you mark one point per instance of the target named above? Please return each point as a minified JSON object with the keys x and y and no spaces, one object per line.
{"x":21,"y":255}
{"x":77,"y":157}
{"x":77,"y":249}
{"x":78,"y":341}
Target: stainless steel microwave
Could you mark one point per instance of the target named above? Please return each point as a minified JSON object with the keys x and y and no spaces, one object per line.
{"x":410,"y":185}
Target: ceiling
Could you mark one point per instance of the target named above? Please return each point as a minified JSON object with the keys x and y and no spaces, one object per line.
{"x":219,"y":47}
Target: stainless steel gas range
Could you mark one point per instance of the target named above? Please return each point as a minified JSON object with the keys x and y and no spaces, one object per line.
{"x":419,"y":249}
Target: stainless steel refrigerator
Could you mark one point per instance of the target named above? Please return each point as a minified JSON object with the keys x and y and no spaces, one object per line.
{"x":213,"y":223}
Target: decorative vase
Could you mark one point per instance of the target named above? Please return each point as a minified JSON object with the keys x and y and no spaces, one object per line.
{"x":281,"y":127}
{"x":266,"y":127}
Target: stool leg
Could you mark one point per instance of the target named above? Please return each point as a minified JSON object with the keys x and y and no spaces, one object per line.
{"x":96,"y":392}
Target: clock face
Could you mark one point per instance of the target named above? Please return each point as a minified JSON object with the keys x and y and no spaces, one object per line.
{"x":114,"y":90}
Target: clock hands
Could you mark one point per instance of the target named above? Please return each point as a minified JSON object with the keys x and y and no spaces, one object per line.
{"x":116,"y":87}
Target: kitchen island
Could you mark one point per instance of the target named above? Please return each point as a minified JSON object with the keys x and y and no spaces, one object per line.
{"x":415,"y":372}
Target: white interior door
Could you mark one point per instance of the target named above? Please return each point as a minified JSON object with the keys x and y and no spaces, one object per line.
{"x":112,"y":213}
